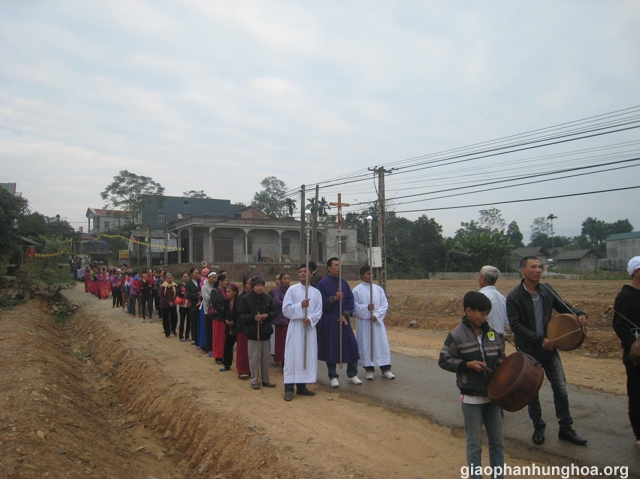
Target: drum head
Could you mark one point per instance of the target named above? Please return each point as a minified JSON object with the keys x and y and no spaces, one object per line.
{"x":566,"y":327}
{"x":515,"y":382}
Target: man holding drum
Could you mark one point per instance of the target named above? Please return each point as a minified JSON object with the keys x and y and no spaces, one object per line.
{"x":529,"y":307}
{"x":626,"y":323}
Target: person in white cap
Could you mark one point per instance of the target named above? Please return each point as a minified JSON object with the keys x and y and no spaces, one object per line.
{"x":626,"y":323}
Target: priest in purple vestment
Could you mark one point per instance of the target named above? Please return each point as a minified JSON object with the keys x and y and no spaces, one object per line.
{"x":329,"y":332}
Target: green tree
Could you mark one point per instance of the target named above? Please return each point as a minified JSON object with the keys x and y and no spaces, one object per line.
{"x":427,"y":240}
{"x":195,"y":194}
{"x":290,"y":205}
{"x":515,"y":235}
{"x":131,"y":192}
{"x":620,"y":226}
{"x":491,"y":220}
{"x":541,"y":225}
{"x":12,"y":210}
{"x":271,"y":200}
{"x":596,"y":230}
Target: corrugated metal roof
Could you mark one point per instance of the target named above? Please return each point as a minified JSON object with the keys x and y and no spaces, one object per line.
{"x":575,"y":254}
{"x":530,"y":251}
{"x":622,"y":236}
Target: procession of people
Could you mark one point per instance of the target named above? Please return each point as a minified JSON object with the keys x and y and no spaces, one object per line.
{"x":312,"y":324}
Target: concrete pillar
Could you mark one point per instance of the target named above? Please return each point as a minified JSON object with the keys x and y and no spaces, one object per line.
{"x":211,"y":246}
{"x":190,"y":245}
{"x":179,"y":243}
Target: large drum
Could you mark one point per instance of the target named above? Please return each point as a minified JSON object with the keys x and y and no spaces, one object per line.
{"x":565,"y":332}
{"x":516,"y":381}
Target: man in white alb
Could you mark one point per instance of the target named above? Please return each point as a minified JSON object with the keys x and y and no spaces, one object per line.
{"x":498,"y":319}
{"x":370,"y":313}
{"x":301,"y":323}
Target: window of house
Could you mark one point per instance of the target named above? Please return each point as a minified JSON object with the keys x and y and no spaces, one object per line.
{"x":161,"y":218}
{"x":249,"y":246}
{"x":106,"y":225}
{"x":286,"y":246}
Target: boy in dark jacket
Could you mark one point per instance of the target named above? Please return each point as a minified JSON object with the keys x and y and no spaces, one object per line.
{"x":256,"y":311}
{"x":473,"y":350}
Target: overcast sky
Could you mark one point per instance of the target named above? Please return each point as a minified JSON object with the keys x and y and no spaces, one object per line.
{"x":216,"y":96}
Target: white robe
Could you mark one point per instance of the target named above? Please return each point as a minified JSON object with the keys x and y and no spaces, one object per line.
{"x":293,"y":370}
{"x":381,"y":351}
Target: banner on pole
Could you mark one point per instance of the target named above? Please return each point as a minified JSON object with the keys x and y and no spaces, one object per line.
{"x":123,"y":255}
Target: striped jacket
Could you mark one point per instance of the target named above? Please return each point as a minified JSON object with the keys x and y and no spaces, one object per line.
{"x":461,"y":347}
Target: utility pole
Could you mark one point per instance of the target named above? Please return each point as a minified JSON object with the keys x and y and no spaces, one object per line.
{"x":552,"y":217}
{"x":382,"y":223}
{"x":314,"y":230}
{"x":302,"y":225}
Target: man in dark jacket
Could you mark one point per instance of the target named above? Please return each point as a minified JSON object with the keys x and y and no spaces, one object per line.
{"x":192,"y":288}
{"x":626,"y":323}
{"x":529,"y":308}
{"x":256,"y":311}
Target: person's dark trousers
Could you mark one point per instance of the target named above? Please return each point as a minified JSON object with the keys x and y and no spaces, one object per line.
{"x":117,"y":297}
{"x":156,"y":301}
{"x":184,"y":321}
{"x":194,"y":317}
{"x":229,"y":342}
{"x":550,"y":362}
{"x":169,"y":320}
{"x":133,"y":301}
{"x":299,"y":387}
{"x":146,"y":306}
{"x":633,"y":391}
{"x":209,"y":326}
{"x":352,"y":370}
{"x":370,"y":369}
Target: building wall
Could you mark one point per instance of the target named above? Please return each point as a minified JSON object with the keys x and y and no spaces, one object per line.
{"x":586,"y":263}
{"x":619,"y":252}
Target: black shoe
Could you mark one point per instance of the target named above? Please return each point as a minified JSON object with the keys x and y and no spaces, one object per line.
{"x":288,"y":395}
{"x":571,"y":436}
{"x":255,"y":386}
{"x":306,"y":392}
{"x":268,"y":385}
{"x":538,"y":435}
{"x":225,"y":369}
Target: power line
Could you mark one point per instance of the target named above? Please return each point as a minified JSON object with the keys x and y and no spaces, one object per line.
{"x":519,"y":201}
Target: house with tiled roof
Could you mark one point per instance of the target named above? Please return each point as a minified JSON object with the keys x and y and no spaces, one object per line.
{"x":101,"y":220}
{"x":538,"y":251}
{"x":575,"y":261}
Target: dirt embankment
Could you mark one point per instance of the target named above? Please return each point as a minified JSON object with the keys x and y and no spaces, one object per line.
{"x":77,"y":401}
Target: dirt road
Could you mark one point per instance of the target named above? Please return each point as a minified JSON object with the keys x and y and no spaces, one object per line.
{"x":124,"y":401}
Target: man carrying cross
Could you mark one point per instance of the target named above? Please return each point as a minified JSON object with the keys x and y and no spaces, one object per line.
{"x":336,"y":341}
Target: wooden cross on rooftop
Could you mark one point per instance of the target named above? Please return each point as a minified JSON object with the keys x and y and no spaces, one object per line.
{"x":339,"y":204}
